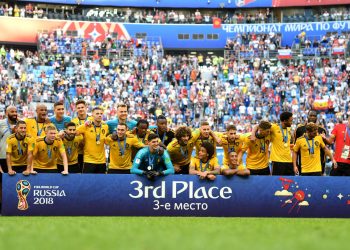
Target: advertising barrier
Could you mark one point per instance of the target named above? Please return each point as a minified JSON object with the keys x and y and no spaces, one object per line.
{"x":26,"y":30}
{"x":131,"y":195}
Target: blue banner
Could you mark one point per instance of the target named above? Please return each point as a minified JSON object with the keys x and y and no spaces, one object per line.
{"x":130,"y":195}
{"x":167,"y":3}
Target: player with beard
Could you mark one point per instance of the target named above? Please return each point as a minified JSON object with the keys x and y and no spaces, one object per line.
{"x":231,"y":142}
{"x":120,"y":148}
{"x":233,"y":167}
{"x":141,"y":132}
{"x":309,"y":145}
{"x":206,"y":135}
{"x":36,"y":126}
{"x":300,"y":131}
{"x":165,"y":134}
{"x":206,"y":165}
{"x":180,"y":149}
{"x":46,"y":151}
{"x":19,"y":151}
{"x":148,"y":162}
{"x":281,"y":145}
{"x":72,"y":143}
{"x":7,"y":127}
{"x":258,"y":150}
{"x":94,"y":134}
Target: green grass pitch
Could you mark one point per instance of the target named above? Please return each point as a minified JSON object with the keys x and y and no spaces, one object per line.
{"x":172,"y":233}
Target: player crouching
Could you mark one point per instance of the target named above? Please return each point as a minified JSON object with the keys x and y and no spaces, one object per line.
{"x":234,"y":168}
{"x":206,"y":166}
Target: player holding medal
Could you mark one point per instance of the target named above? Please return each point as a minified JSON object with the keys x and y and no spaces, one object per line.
{"x":94,"y":134}
{"x":310,"y":146}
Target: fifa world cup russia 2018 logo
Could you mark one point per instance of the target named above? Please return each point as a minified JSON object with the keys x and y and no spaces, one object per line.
{"x":22,"y":188}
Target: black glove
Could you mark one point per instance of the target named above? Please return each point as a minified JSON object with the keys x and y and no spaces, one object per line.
{"x":150,"y":175}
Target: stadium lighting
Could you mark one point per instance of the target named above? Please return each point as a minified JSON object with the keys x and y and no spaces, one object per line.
{"x":208,"y":1}
{"x":228,"y":1}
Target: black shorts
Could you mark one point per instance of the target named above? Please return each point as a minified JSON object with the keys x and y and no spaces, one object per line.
{"x":185,"y":169}
{"x":72,"y":169}
{"x":19,"y":169}
{"x":81,"y":161}
{"x":46,"y":171}
{"x":118,"y":171}
{"x":343,"y":169}
{"x":93,"y":168}
{"x":3,"y":164}
{"x":312,"y":174}
{"x":264,"y":171}
{"x":282,"y":168}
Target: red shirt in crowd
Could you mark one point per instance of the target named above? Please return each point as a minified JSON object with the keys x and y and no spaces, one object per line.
{"x":342,"y":139}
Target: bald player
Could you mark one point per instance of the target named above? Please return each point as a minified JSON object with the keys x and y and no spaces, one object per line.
{"x":7,"y":127}
{"x":36,"y":125}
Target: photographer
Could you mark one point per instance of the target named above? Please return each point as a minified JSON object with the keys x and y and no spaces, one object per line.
{"x":150,"y":163}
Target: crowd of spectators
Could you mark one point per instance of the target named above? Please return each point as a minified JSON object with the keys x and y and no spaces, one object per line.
{"x":251,"y":45}
{"x":56,"y":43}
{"x":162,"y":16}
{"x":184,"y":88}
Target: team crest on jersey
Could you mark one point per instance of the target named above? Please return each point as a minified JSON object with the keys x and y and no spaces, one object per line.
{"x":103,"y":131}
{"x":54,"y":148}
{"x":317,"y":143}
{"x":25,"y":145}
{"x":75,"y":144}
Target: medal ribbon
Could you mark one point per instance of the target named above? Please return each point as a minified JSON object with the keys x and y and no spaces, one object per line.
{"x":98,"y":136}
{"x":206,"y":166}
{"x":122,"y":150}
{"x":311,"y":149}
{"x":285,"y":136}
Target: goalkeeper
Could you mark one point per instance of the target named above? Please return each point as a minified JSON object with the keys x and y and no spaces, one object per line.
{"x":149,"y":162}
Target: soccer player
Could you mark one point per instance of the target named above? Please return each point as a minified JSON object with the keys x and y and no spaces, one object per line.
{"x":206,"y":165}
{"x":281,"y":138}
{"x":82,"y":115}
{"x":206,"y":135}
{"x":300,"y":131}
{"x":122,"y":116}
{"x":341,"y":136}
{"x":72,"y":143}
{"x":7,"y":127}
{"x":141,"y":132}
{"x":81,"y":118}
{"x":231,"y":142}
{"x":120,"y":148}
{"x":233,"y":167}
{"x":94,"y":139}
{"x":180,"y":149}
{"x":258,"y":150}
{"x":165,"y":134}
{"x":19,"y":150}
{"x":46,"y":150}
{"x":36,"y":126}
{"x":309,"y":147}
{"x":59,"y":119}
{"x":148,"y":161}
